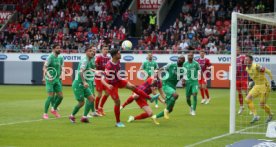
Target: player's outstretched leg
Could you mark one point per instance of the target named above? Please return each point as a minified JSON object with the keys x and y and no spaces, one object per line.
{"x":146,"y":114}
{"x":170,"y":105}
{"x":128,"y":101}
{"x":141,"y":92}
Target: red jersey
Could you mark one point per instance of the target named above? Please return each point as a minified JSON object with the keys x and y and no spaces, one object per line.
{"x":146,"y":86}
{"x":101,"y":62}
{"x":111,"y":72}
{"x":204,"y":63}
{"x":241,"y":73}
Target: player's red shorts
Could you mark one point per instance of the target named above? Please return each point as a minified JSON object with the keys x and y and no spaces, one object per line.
{"x":241,"y":84}
{"x":99,"y":84}
{"x":141,"y":102}
{"x":114,"y":91}
{"x":202,"y":81}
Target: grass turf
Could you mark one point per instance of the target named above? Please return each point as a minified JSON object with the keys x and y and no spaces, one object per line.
{"x":21,"y":109}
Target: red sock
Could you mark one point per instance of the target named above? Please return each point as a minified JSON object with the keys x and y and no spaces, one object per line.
{"x":141,"y":116}
{"x":141,"y":93}
{"x":207,"y":93}
{"x":104,"y":98}
{"x":202,"y":93}
{"x":241,"y":99}
{"x":97,"y":102}
{"x":128,"y":101}
{"x":117,"y":113}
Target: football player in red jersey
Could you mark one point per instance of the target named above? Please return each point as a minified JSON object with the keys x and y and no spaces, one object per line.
{"x":241,"y":78}
{"x":112,"y":81}
{"x":205,"y":65}
{"x":101,"y":61}
{"x":149,"y":87}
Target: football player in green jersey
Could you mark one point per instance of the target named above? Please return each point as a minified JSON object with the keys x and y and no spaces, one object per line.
{"x":52,"y":70}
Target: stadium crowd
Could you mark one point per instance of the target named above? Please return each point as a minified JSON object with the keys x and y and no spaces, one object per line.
{"x":200,"y":26}
{"x":77,"y":23}
{"x":72,"y":23}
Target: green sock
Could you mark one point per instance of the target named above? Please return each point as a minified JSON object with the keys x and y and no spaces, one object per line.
{"x":188,"y":99}
{"x":57,"y":102}
{"x":161,"y":114}
{"x":170,"y":104}
{"x":88,"y":106}
{"x":93,"y":107}
{"x":53,"y":101}
{"x":76,"y":109}
{"x":194,"y":102}
{"x":47,"y":104}
{"x":156,"y":101}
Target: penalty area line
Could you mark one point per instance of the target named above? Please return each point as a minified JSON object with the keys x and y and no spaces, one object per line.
{"x":221,"y":136}
{"x":37,"y":120}
{"x":208,"y":140}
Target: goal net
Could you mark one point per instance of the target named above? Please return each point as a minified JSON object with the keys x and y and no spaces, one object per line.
{"x":253,"y":34}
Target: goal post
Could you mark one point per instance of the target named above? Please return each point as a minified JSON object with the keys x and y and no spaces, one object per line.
{"x":234,"y":33}
{"x":255,"y":34}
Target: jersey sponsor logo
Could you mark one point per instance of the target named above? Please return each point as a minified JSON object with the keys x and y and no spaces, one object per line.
{"x":23,"y":57}
{"x":3,"y":57}
{"x":173,"y":58}
{"x":128,"y":58}
{"x":44,"y":57}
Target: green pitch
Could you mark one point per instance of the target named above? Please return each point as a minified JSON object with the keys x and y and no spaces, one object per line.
{"x":21,"y":109}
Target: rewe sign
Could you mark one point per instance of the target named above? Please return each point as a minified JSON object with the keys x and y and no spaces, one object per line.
{"x":149,"y":4}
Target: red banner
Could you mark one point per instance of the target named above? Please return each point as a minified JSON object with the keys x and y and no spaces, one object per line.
{"x":149,"y":4}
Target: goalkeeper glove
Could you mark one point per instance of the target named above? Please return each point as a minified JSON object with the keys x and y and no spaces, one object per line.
{"x":273,"y":86}
{"x":251,"y":85}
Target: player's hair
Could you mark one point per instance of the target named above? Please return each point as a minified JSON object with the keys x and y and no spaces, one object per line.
{"x":55,"y":45}
{"x":88,"y":47}
{"x":113,"y":52}
{"x":202,"y":51}
{"x":250,"y":57}
{"x":105,"y":46}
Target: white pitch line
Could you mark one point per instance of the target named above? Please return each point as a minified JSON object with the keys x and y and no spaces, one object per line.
{"x":208,"y":140}
{"x":220,"y":136}
{"x":37,"y":120}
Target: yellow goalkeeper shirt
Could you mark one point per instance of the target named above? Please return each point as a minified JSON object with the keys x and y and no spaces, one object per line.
{"x":257,"y":74}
